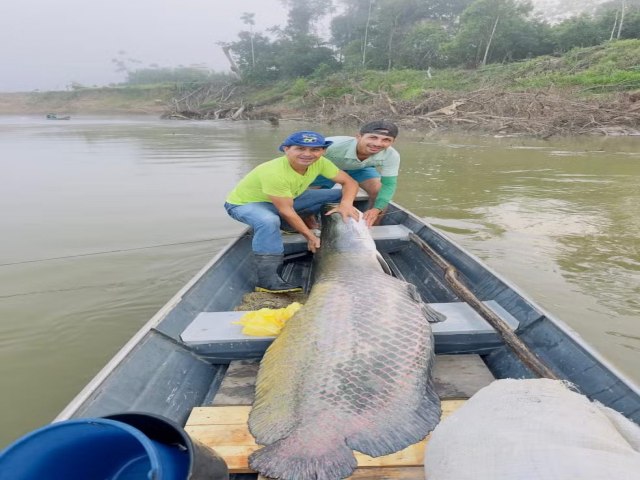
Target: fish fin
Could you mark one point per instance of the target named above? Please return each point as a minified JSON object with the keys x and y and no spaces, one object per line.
{"x":291,"y":459}
{"x":432,"y":315}
{"x":410,"y":427}
{"x":413,"y":292}
{"x":429,"y":312}
{"x":272,"y":416}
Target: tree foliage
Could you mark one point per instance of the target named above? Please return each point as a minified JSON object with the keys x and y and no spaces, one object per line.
{"x":159,"y":75}
{"x":419,"y":34}
{"x":303,"y":14}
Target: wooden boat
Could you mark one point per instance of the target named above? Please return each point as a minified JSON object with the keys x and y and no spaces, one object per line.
{"x":53,"y":116}
{"x":177,"y":362}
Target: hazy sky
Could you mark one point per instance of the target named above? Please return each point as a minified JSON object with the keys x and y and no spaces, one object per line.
{"x":47,"y":44}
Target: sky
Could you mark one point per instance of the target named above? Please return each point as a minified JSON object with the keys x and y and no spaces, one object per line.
{"x":47,"y":44}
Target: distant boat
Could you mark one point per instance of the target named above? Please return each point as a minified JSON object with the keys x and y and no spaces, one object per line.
{"x":53,"y":116}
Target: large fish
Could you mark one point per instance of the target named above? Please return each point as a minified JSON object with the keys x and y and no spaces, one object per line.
{"x":351,"y":370}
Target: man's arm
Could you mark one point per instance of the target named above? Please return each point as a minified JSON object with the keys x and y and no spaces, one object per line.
{"x":383,"y":198}
{"x":286,"y":211}
{"x":385,"y":195}
{"x":349,"y":192}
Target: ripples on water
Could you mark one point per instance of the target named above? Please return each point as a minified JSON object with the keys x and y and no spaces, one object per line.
{"x":561,"y":220}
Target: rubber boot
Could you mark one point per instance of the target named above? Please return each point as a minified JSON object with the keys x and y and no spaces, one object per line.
{"x":269,"y":280}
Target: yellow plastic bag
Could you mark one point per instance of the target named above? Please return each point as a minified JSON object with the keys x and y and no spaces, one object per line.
{"x":267,"y":321}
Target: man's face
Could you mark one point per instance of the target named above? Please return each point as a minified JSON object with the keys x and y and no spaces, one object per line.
{"x":302,"y":157}
{"x":372,"y":143}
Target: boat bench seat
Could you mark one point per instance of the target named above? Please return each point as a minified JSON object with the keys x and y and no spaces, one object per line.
{"x":215,"y":336}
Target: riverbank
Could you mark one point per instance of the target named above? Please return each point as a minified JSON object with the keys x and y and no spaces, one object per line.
{"x":590,"y":91}
{"x":534,"y":112}
{"x":106,"y":100}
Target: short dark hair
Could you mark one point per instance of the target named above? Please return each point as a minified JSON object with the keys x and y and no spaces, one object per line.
{"x":382,"y":127}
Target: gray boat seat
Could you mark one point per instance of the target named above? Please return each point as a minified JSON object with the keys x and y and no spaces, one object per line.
{"x":361,"y":195}
{"x":215,"y":336}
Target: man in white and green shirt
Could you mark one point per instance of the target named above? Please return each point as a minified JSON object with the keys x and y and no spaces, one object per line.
{"x":278,"y":189}
{"x":369,"y":159}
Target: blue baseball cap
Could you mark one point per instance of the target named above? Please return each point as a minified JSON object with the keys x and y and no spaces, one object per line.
{"x":305,"y":138}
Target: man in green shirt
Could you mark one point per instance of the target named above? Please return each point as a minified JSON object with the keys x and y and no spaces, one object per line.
{"x":278,"y":189}
{"x":361,"y":157}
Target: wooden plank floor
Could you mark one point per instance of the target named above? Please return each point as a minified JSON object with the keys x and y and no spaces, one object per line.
{"x":225,"y":430}
{"x":223,"y":425}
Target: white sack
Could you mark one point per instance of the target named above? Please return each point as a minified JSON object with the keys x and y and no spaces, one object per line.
{"x":533,"y":430}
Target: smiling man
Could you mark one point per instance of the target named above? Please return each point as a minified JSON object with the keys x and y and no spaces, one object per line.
{"x":277,"y":190}
{"x":369,"y":159}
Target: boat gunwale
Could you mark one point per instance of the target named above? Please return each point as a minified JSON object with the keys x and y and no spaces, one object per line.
{"x":154,"y":321}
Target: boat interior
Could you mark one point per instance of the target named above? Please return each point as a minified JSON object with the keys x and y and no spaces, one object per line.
{"x":192,"y":356}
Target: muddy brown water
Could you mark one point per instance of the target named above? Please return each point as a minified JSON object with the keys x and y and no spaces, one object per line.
{"x":104,"y":219}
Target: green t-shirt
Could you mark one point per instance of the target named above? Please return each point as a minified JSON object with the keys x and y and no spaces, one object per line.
{"x":343,"y":154}
{"x":276,"y":178}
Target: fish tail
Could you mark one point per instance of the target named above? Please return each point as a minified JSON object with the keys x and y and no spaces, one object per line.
{"x":291,"y":459}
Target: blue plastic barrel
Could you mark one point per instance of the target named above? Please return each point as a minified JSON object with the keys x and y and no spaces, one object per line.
{"x":120,"y":447}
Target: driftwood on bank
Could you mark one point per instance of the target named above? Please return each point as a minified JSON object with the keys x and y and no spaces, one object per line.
{"x":209,"y":102}
{"x":539,"y":113}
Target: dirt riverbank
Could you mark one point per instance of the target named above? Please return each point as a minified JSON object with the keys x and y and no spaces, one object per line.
{"x":90,"y":101}
{"x":540,"y":113}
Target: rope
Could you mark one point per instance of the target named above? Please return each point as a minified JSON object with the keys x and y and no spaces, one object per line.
{"x":106,"y":252}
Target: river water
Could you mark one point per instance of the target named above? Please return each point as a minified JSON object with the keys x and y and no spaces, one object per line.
{"x":104,"y":219}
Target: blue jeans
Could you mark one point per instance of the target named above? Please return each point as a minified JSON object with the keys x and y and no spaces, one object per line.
{"x":263,"y":217}
{"x":359,"y":175}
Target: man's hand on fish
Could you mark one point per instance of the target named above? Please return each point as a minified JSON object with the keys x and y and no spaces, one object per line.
{"x":347,"y":211}
{"x":313,"y":243}
{"x":371,"y":215}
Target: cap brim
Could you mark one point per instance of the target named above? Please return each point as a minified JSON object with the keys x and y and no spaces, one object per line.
{"x":326,"y":144}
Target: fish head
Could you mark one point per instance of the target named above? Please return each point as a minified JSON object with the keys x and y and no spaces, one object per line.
{"x":340,"y":235}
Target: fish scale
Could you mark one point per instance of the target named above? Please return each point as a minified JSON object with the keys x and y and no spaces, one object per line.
{"x":351,"y":370}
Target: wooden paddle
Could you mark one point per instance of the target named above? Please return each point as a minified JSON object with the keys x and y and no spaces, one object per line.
{"x":511,"y":339}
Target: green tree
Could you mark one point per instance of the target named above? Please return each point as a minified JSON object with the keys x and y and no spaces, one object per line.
{"x":349,"y":31}
{"x":301,"y":58}
{"x":249,"y":19}
{"x":422,"y":46}
{"x":264,"y":50}
{"x":294,"y":52}
{"x":195,"y":74}
{"x":580,"y":31}
{"x":371,"y":33}
{"x":620,"y":18}
{"x":303,"y":14}
{"x":495,"y":30}
{"x":445,"y":11}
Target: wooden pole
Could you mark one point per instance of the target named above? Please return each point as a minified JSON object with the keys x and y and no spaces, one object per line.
{"x":622,"y":9}
{"x":493,"y":32}
{"x":366,"y":34}
{"x":503,"y":329}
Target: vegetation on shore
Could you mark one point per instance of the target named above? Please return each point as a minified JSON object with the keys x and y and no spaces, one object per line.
{"x":594,"y":90}
{"x":487,"y":65}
